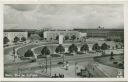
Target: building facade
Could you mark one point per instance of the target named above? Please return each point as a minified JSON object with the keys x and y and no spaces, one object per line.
{"x":116,"y":35}
{"x":103,"y":33}
{"x":67,"y":35}
{"x":12,"y":35}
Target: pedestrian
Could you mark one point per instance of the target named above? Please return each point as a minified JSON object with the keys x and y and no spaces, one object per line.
{"x":85,"y":68}
{"x":93,"y":69}
{"x":55,"y":75}
{"x":67,"y":65}
{"x":60,"y":75}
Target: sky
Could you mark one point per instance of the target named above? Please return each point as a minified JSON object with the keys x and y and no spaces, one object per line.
{"x":63,"y":16}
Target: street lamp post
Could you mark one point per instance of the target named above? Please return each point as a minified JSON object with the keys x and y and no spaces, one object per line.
{"x":48,"y":57}
{"x":63,"y":59}
{"x":46,"y":64}
{"x":14,"y":53}
{"x":75,"y":68}
{"x":50,"y":66}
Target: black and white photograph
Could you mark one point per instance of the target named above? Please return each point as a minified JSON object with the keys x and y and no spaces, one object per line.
{"x":65,"y":81}
{"x":63,"y":40}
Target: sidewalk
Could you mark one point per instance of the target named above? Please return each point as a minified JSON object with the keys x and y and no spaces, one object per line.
{"x":108,"y":71}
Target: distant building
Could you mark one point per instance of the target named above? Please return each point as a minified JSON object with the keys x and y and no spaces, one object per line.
{"x":114,"y":35}
{"x":93,"y":32}
{"x":103,"y":33}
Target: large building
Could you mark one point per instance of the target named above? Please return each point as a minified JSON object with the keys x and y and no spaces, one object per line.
{"x":54,"y":35}
{"x":115,"y":35}
{"x":12,"y":34}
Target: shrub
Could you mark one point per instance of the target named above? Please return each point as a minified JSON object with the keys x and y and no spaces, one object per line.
{"x":55,"y":55}
{"x":68,"y":54}
{"x":121,"y":65}
{"x":115,"y":62}
{"x":80,"y":53}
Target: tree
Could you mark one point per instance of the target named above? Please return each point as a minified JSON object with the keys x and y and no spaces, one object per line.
{"x":104,"y":46}
{"x":16,"y":39}
{"x":59,"y":49}
{"x":66,"y":37}
{"x":23,"y":39}
{"x":45,"y":51}
{"x":6,"y":40}
{"x":29,"y":53}
{"x":84,"y":48}
{"x":96,"y":47}
{"x":73,"y":37}
{"x":72,"y":48}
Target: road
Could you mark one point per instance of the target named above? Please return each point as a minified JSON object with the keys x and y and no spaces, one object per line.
{"x":32,"y":67}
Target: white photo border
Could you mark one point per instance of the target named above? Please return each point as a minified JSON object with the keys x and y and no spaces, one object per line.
{"x":125,"y":3}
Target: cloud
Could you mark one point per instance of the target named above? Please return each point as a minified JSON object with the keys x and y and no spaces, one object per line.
{"x":63,"y":16}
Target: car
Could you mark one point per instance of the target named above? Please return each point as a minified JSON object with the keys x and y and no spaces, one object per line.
{"x":60,"y":63}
